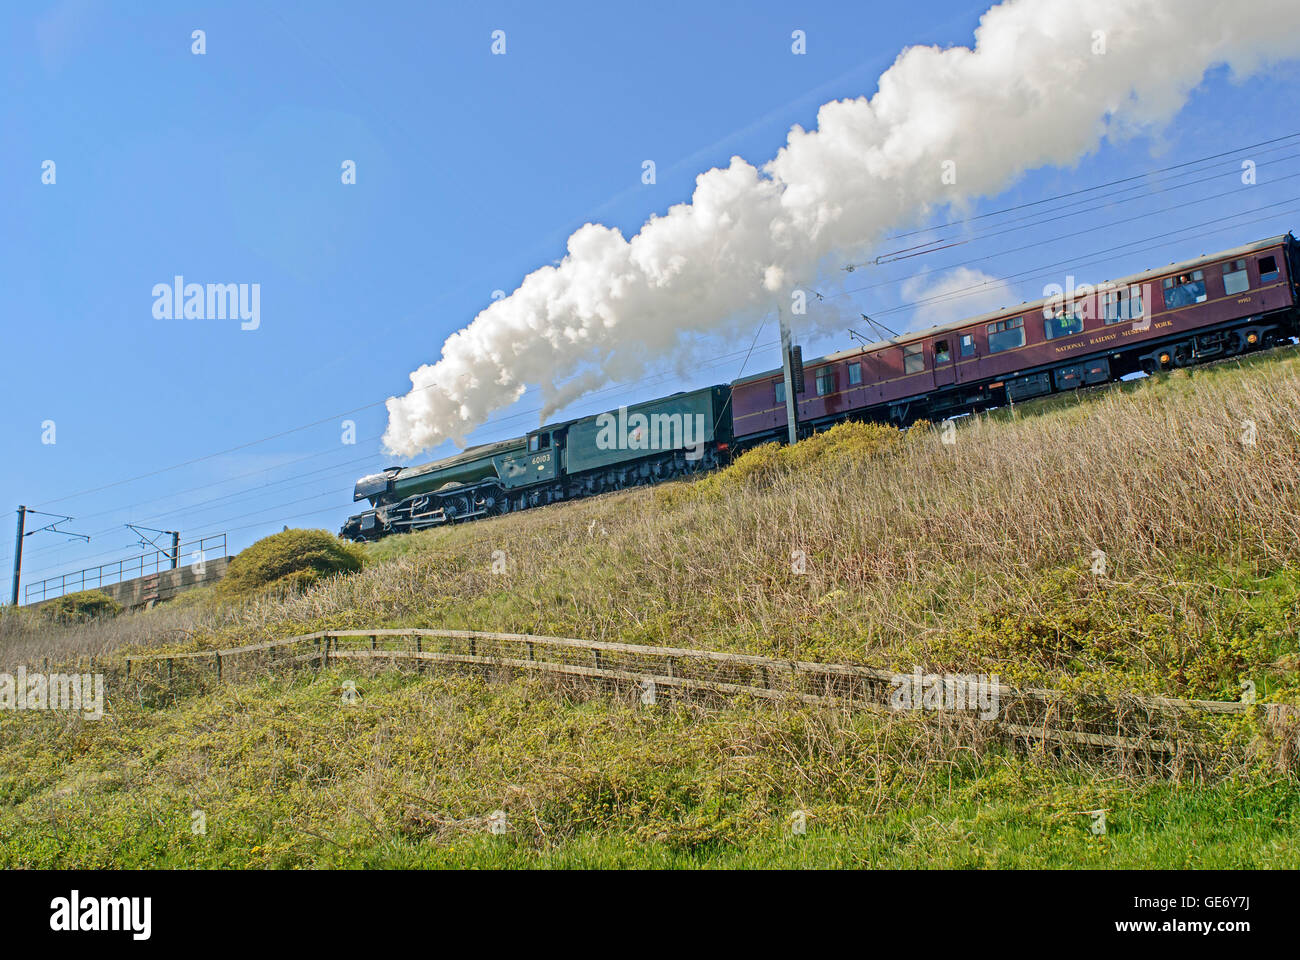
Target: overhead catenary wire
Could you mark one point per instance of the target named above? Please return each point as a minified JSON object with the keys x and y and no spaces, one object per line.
{"x":1101,"y":186}
{"x":614,"y":388}
{"x":1074,"y":262}
{"x":946,"y":297}
{"x":932,"y":248}
{"x":940,"y":298}
{"x":622,"y":386}
{"x":1034,"y":246}
{"x":952,"y":295}
{"x":377,"y":403}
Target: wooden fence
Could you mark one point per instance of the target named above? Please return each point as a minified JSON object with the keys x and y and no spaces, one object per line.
{"x":1135,"y":724}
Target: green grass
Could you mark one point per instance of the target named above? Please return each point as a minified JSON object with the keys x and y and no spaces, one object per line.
{"x":975,"y":556}
{"x":288,"y":775}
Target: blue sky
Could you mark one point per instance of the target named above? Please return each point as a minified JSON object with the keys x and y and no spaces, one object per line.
{"x":472,"y":170}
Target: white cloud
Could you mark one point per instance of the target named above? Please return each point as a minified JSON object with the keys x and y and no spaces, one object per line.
{"x":954,"y":294}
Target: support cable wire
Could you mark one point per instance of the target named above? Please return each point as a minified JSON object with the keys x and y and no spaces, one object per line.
{"x":951,"y":295}
{"x":976,"y":288}
{"x":377,"y":403}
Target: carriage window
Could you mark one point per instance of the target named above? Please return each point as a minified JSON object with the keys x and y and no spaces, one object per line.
{"x":941,"y":354}
{"x":1111,"y":306}
{"x":1184,"y":289}
{"x":1235,"y":278}
{"x":968,"y":345}
{"x":1066,"y":322}
{"x":855,"y":374}
{"x":1006,"y":334}
{"x":779,"y":391}
{"x":1121,"y":305}
{"x":1267,"y":269}
{"x":913,"y":358}
{"x":825,"y":381}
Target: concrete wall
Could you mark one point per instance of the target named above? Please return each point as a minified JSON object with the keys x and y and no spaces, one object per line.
{"x":163,"y":585}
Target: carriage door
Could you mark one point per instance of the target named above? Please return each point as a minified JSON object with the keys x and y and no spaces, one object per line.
{"x":943,"y":365}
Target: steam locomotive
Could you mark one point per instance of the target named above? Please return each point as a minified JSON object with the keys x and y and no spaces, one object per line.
{"x":1221,"y":305}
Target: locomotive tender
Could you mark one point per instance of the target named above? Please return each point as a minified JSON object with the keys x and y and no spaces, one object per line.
{"x":1207,"y":308}
{"x":670,"y":437}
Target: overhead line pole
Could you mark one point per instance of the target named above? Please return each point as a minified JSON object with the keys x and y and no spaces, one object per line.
{"x":173,"y":553}
{"x":18,"y":552}
{"x":23,"y":533}
{"x":791,"y":404}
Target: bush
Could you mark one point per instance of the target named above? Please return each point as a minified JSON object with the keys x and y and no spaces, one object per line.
{"x":844,"y":447}
{"x":288,"y":562}
{"x":81,"y":606}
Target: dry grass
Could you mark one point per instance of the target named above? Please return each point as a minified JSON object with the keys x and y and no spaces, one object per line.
{"x":973,"y":556}
{"x":914,"y":549}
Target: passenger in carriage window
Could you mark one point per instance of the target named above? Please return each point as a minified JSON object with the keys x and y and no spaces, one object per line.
{"x":1176,"y":294}
{"x":1062,"y":322}
{"x":1185,"y":290}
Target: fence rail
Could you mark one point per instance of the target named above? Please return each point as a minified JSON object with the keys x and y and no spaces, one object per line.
{"x":1159,"y":725}
{"x":128,"y":568}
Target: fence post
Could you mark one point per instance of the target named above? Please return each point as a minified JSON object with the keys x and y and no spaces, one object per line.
{"x":218,"y":656}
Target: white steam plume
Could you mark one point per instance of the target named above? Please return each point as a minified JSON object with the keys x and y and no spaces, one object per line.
{"x":1033,"y":92}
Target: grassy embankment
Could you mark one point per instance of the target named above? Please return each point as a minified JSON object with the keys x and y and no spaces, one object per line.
{"x":973,"y":556}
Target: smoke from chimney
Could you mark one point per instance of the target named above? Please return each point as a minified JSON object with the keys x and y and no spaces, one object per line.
{"x":1045,"y":83}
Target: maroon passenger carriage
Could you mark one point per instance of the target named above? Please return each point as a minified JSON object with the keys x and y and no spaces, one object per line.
{"x":1199,"y":310}
{"x":1216,"y":306}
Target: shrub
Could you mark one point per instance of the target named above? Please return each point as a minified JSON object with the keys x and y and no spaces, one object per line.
{"x":81,"y":606}
{"x":288,"y":562}
{"x":844,"y":447}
